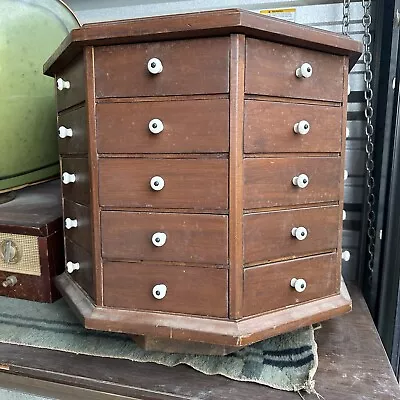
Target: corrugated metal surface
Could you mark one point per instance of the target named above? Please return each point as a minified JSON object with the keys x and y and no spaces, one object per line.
{"x":323,"y":14}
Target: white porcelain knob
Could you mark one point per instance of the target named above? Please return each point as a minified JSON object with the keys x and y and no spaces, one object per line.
{"x":157,"y":183}
{"x":301,"y":181}
{"x":346,"y":255}
{"x":159,"y":239}
{"x":64,"y":132}
{"x":347,"y":132}
{"x":156,"y":126}
{"x":71,"y":267}
{"x":71,"y":223}
{"x":299,"y":233}
{"x":159,"y":291}
{"x":61,"y":84}
{"x":344,"y":215}
{"x":298,"y":284}
{"x":302,"y":127}
{"x":154,"y":65}
{"x":345,"y":174}
{"x":305,"y":71}
{"x":68,"y":178}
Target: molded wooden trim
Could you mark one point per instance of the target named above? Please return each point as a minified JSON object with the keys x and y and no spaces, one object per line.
{"x":200,"y":329}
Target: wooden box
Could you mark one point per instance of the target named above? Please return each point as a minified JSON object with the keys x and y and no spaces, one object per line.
{"x":202,"y":158}
{"x":31,"y":243}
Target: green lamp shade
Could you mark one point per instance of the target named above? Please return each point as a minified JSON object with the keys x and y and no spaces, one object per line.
{"x":30,"y":30}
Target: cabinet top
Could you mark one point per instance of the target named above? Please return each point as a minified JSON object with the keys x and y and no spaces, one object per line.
{"x":200,"y":24}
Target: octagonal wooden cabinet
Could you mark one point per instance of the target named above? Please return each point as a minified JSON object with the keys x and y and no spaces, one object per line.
{"x":202,"y":161}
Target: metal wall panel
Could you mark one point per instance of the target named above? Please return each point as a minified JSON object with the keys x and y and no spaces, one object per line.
{"x":323,"y":14}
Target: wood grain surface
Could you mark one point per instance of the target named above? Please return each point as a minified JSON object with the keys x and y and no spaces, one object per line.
{"x":190,"y":126}
{"x":190,"y":290}
{"x":269,"y":128}
{"x":79,"y":190}
{"x":268,"y":181}
{"x":267,"y":236}
{"x":191,"y":238}
{"x":82,"y":234}
{"x":76,"y":120}
{"x":74,"y":73}
{"x":189,"y":183}
{"x":267,"y":287}
{"x":84,"y":276}
{"x":194,"y":66}
{"x":271,"y":67}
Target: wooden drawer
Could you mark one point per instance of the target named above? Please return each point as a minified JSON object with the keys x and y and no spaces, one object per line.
{"x":75,"y":120}
{"x":269,"y":127}
{"x":192,"y":238}
{"x":268,"y":181}
{"x":271,"y":70}
{"x":196,"y":66}
{"x":84,"y":276}
{"x":77,"y":191}
{"x":82,"y":233}
{"x":197,"y":184}
{"x":268,"y":236}
{"x":267,"y":287}
{"x":190,"y":290}
{"x":75,"y":75}
{"x":190,"y":126}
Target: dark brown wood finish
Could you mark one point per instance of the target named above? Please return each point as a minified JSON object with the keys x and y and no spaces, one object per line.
{"x":236,"y":176}
{"x":77,"y":121}
{"x":82,"y":234}
{"x":125,"y":182}
{"x":267,"y":287}
{"x":190,"y":126}
{"x":269,"y":128}
{"x":268,"y":181}
{"x":200,"y":24}
{"x":78,"y":191}
{"x":190,"y":290}
{"x":75,"y":75}
{"x":346,"y":346}
{"x":212,"y":62}
{"x":84,"y":276}
{"x":194,"y":66}
{"x":36,"y":210}
{"x":277,"y":77}
{"x":94,"y":177}
{"x":201,"y":329}
{"x":128,"y":236}
{"x":268,"y":235}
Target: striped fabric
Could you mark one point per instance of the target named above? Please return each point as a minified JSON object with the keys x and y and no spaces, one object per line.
{"x":286,"y":362}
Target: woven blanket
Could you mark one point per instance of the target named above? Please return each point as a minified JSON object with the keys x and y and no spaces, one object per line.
{"x":286,"y":362}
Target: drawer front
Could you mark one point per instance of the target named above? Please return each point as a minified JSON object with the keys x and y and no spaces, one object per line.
{"x":75,"y":94}
{"x":189,"y":237}
{"x":75,"y":121}
{"x":270,"y":127}
{"x":267,"y":287}
{"x":196,"y":66}
{"x":271,"y":70}
{"x":192,"y":126}
{"x":77,"y":191}
{"x":268,"y":182}
{"x":189,"y":290}
{"x":268,"y":236}
{"x":84,"y":276}
{"x":197,"y":184}
{"x":80,"y":216}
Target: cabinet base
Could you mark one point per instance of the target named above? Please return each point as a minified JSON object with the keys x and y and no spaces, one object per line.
{"x":169,"y":332}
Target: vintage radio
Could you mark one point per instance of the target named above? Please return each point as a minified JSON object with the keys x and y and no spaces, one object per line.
{"x":31,"y":242}
{"x":202,"y":161}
